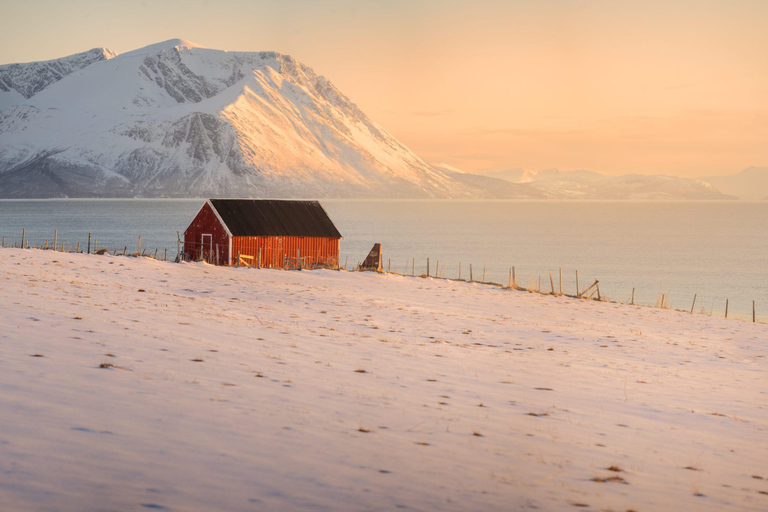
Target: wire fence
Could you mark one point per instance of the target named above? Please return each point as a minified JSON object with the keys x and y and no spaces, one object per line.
{"x":217,"y":254}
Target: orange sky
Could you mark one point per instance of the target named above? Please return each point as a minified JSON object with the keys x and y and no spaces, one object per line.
{"x":673,"y":87}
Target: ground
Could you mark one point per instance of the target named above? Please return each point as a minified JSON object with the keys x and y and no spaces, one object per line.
{"x":132,"y":384}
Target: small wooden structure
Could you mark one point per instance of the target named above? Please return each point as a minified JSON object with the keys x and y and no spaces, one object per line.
{"x":373,"y":260}
{"x":263,"y":233}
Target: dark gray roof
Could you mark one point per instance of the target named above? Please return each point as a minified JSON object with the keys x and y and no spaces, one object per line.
{"x":271,"y":217}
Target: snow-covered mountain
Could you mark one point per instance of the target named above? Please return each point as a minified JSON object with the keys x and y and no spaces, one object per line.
{"x":592,"y":185}
{"x":750,"y":184}
{"x":178,"y":119}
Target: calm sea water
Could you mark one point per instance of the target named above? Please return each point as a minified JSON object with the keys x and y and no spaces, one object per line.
{"x":718,"y":250}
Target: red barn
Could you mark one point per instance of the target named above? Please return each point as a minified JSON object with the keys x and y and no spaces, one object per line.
{"x":264,"y":233}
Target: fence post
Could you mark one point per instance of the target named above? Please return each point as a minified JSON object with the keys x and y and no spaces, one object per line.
{"x":578,"y":293}
{"x":217,"y":254}
{"x":427,"y":266}
{"x":561,"y":280}
{"x":78,"y":247}
{"x":633,"y":299}
{"x":23,"y":234}
{"x":514,"y":277}
{"x":413,"y":267}
{"x":459,"y":270}
{"x":259,"y":263}
{"x":89,"y":243}
{"x":470,"y":272}
{"x":753,"y":311}
{"x":298,"y":258}
{"x":178,"y":246}
{"x":694,"y":302}
{"x":139,"y":244}
{"x":726,"y":308}
{"x":483,"y":274}
{"x":55,"y":239}
{"x":509,"y":282}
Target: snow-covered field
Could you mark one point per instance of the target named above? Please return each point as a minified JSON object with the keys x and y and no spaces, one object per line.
{"x":132,"y":384}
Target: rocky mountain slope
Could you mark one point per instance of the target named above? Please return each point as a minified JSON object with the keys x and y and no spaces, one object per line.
{"x":177,"y":119}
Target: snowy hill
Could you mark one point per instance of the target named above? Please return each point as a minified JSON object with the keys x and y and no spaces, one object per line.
{"x":132,"y":384}
{"x":592,"y":185}
{"x":750,"y":184}
{"x":178,"y":119}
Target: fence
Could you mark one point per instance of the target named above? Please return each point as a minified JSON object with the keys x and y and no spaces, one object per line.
{"x":196,"y":251}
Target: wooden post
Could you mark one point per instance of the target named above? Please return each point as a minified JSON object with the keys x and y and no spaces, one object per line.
{"x":78,"y":246}
{"x":509,"y":282}
{"x":46,"y":244}
{"x":389,"y":265}
{"x":551,"y":282}
{"x":298,"y":257}
{"x":3,"y":241}
{"x":694,"y":302}
{"x":427,"y":267}
{"x":55,"y":239}
{"x":726,"y":308}
{"x":413,"y":267}
{"x":217,"y":254}
{"x":753,"y":311}
{"x":483,"y":274}
{"x":89,"y":243}
{"x":459,"y":270}
{"x":437,"y":269}
{"x":597,"y":285}
{"x":178,"y":246}
{"x":539,"y":284}
{"x":238,"y":258}
{"x":561,"y":280}
{"x":259,"y":262}
{"x":165,"y":254}
{"x":514,"y":277}
{"x":578,"y":294}
{"x":470,"y":272}
{"x":633,"y":298}
{"x":23,"y":234}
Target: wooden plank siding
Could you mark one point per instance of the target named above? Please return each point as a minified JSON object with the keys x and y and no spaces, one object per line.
{"x":315,"y":251}
{"x":206,"y":222}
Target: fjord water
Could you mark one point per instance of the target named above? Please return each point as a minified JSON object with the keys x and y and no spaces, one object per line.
{"x":718,"y":250}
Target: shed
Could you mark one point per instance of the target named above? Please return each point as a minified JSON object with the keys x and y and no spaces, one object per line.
{"x":267,"y":233}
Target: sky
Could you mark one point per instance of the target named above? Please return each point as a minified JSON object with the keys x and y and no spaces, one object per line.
{"x":651,"y":87}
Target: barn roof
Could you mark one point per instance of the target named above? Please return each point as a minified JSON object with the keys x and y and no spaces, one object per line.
{"x":272,"y":217}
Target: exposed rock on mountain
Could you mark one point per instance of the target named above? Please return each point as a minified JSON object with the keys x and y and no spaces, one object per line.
{"x":177,"y":119}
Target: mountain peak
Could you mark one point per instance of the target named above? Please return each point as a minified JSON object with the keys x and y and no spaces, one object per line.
{"x":181,"y":44}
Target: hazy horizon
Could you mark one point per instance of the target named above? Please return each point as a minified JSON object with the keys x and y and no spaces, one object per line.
{"x":676,"y":88}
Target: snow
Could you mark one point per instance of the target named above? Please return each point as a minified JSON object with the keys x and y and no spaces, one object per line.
{"x":181,"y":44}
{"x":237,"y":389}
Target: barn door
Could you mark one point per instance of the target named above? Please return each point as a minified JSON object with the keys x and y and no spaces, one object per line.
{"x":206,"y":248}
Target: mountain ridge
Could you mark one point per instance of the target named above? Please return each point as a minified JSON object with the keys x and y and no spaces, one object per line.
{"x":180,"y":120}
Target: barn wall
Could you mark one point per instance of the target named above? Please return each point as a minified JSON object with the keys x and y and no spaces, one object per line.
{"x":206,"y":222}
{"x":315,"y":251}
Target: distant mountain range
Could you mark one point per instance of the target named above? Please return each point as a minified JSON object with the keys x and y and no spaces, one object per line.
{"x":179,"y":120}
{"x":750,"y":184}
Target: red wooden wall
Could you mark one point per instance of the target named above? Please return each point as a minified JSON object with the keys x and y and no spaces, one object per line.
{"x":315,"y":251}
{"x":206,"y":222}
